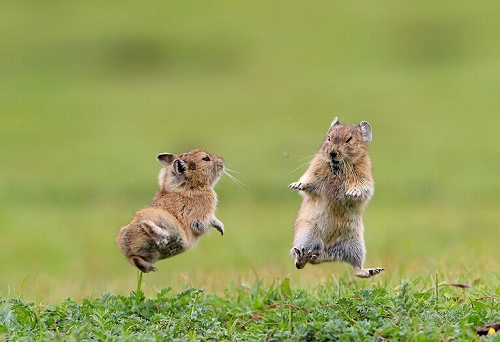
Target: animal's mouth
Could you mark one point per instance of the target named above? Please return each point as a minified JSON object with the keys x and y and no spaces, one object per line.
{"x":335,"y":166}
{"x":335,"y":169}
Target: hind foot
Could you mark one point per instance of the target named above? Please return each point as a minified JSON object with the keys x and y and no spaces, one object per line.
{"x":368,"y":272}
{"x":303,"y":256}
{"x":160,"y":236}
{"x":142,"y":265}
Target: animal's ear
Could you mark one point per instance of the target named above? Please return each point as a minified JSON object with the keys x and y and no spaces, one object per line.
{"x":333,"y":124}
{"x":366,"y":129}
{"x":166,"y":158}
{"x":179,"y":168}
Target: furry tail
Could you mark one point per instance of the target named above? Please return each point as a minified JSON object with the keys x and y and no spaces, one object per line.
{"x":141,"y":264}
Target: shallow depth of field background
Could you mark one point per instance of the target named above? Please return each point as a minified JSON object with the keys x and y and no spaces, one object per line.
{"x":90,"y":93}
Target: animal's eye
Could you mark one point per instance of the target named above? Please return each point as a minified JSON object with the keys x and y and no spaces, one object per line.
{"x":206,"y":158}
{"x":348,"y":140}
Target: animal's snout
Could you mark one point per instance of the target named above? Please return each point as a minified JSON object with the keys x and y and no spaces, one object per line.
{"x":220,"y":164}
{"x":333,"y":154}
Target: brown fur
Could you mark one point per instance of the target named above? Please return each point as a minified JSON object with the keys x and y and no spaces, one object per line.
{"x":336,"y":189}
{"x":182,"y":210}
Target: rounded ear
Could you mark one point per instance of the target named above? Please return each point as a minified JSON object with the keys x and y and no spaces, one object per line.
{"x":179,"y":168}
{"x":334,"y":123}
{"x":166,"y":158}
{"x":366,"y":129}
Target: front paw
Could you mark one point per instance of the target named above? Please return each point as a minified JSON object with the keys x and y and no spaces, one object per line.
{"x":353,"y":192}
{"x":219,"y":226}
{"x":297,"y":186}
{"x":221,"y":230}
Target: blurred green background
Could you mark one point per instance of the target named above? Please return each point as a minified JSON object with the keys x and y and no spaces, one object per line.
{"x":91,"y":92}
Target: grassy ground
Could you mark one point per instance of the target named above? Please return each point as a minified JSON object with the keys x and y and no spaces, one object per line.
{"x":90,"y":93}
{"x":416,"y":310}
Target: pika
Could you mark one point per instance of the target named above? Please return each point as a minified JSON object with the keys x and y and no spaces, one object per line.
{"x":336,"y":189}
{"x":182,"y":210}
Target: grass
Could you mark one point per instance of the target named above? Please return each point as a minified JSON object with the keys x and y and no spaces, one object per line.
{"x":417,"y":309}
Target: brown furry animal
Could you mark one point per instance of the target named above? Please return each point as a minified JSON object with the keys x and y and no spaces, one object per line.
{"x":336,"y":189}
{"x":182,"y":210}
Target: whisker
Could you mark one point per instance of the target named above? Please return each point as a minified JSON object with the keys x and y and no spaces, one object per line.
{"x":307,"y":162}
{"x":240,"y":182}
{"x":231,"y":170}
{"x":308,"y":157}
{"x":324,"y":160}
{"x":229,"y":176}
{"x":235,"y":180}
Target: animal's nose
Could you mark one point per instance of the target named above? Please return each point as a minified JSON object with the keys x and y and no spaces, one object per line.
{"x":333,"y":154}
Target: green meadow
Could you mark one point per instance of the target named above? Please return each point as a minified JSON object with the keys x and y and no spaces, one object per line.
{"x":91,"y":92}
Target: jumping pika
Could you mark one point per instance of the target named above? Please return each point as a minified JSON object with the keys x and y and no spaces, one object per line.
{"x":336,"y":189}
{"x":182,"y":210}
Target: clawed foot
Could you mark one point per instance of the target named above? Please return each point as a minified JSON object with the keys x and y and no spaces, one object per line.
{"x":296,"y":186}
{"x":161,"y":242}
{"x":353,"y":192}
{"x":303,"y":256}
{"x":160,"y":236}
{"x":142,"y":265}
{"x":148,"y":269}
{"x":368,"y":272}
{"x":220,"y":230}
{"x":219,"y":226}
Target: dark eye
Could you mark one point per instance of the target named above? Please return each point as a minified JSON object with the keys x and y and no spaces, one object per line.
{"x":207,"y":158}
{"x":348,"y":140}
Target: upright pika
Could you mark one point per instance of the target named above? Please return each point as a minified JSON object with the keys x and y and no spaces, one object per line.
{"x":336,"y":189}
{"x":182,"y":210}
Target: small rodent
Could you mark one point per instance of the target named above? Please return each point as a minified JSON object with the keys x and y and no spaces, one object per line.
{"x":182,"y":210}
{"x":336,"y":189}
